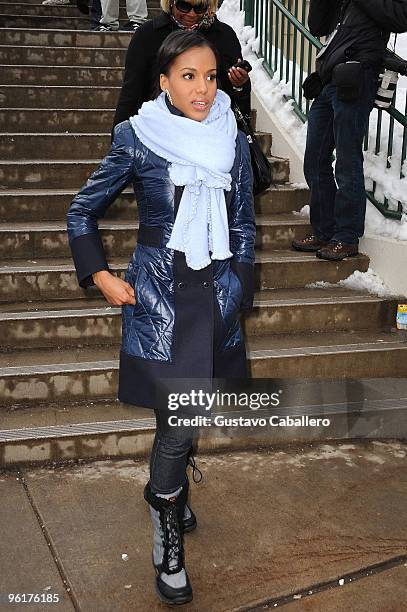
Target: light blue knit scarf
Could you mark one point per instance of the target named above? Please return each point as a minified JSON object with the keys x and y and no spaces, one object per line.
{"x":201,"y":156}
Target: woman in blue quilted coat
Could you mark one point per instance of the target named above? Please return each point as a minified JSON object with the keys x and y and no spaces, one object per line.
{"x":190,"y":274}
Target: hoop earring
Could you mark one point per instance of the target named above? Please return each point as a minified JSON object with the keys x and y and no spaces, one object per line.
{"x":169,"y":97}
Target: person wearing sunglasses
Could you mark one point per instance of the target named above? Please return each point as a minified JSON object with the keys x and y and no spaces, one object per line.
{"x":142,"y":53}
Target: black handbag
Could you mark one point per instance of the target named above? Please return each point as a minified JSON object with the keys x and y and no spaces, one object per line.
{"x":260,"y":164}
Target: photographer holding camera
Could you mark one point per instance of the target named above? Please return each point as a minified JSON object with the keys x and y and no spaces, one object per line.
{"x":344,"y":86}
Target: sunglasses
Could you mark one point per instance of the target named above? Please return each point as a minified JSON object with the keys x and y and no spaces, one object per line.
{"x":186,"y":7}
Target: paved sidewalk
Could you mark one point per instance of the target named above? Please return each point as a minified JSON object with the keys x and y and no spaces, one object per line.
{"x":276,"y":528}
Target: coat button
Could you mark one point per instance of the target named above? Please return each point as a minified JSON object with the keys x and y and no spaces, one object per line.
{"x":181,"y":285}
{"x":206,"y":284}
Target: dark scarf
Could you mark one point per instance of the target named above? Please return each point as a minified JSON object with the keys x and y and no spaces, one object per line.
{"x":205,"y":23}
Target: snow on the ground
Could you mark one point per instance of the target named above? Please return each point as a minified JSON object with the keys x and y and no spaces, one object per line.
{"x":389,"y":184}
{"x":304,"y":212}
{"x":369,"y":281}
{"x":271,"y":91}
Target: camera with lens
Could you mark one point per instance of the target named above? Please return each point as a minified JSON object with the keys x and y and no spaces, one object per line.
{"x":393,"y":66}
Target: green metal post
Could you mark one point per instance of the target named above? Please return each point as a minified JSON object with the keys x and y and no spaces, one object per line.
{"x":249,"y":12}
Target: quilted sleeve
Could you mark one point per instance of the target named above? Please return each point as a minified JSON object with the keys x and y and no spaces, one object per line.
{"x":242,"y":224}
{"x":109,"y":179}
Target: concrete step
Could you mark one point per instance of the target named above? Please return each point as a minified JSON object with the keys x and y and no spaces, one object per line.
{"x":28,"y":378}
{"x":13,"y":20}
{"x":78,"y":146}
{"x":57,"y":120}
{"x":57,"y":97}
{"x":73,"y":173}
{"x":328,"y":355}
{"x":61,"y":75}
{"x":62,"y":56}
{"x":280,"y":169}
{"x":25,"y":205}
{"x":289,"y":269}
{"x":46,"y":174}
{"x":47,"y":278}
{"x":69,"y":323}
{"x":33,"y":37}
{"x":61,"y":118}
{"x":283,"y":198}
{"x":33,"y":240}
{"x":101,"y":429}
{"x":63,"y":436}
{"x":39,"y":433}
{"x":122,"y":3}
{"x":31,"y":8}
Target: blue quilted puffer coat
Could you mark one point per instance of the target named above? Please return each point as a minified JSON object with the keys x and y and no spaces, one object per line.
{"x":185,"y":323}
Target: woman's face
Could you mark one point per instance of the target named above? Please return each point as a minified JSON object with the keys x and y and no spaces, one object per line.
{"x":188,"y":19}
{"x":191,"y":82}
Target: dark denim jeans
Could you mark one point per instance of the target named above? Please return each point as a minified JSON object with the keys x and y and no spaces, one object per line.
{"x":169,"y":456}
{"x":338,"y":209}
{"x":95,"y":14}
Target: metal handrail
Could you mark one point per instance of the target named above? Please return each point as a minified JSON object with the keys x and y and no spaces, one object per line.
{"x":288,"y":49}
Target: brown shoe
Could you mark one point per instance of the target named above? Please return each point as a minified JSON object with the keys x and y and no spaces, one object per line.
{"x":309,"y":244}
{"x":335,"y":251}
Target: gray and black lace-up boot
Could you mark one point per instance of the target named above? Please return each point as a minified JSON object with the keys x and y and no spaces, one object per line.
{"x":167,"y":511}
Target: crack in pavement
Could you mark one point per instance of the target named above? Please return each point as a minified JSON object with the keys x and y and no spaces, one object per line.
{"x":364,"y":572}
{"x":52,"y":549}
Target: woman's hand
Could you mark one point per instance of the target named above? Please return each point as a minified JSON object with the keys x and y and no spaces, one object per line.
{"x":115,"y":290}
{"x":237,"y":76}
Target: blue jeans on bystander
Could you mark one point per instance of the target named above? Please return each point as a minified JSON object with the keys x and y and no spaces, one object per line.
{"x":337,"y":209}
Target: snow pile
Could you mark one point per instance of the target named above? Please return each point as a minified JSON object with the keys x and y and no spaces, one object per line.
{"x":379,"y":225}
{"x":271,"y":91}
{"x":368,"y":281}
{"x":389,"y":184}
{"x":304,"y":212}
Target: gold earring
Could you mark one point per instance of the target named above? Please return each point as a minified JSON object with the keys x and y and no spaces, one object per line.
{"x":169,"y":97}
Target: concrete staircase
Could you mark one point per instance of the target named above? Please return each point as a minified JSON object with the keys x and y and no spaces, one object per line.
{"x":60,"y":344}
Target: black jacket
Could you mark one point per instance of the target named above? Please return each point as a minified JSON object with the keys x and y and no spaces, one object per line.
{"x":364,"y":31}
{"x":140,"y":64}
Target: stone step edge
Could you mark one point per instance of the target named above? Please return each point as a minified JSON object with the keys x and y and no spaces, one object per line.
{"x":280,"y":187}
{"x":57,"y":134}
{"x":122,"y":49}
{"x":33,"y":86}
{"x":107,"y":311}
{"x":285,"y":187}
{"x":106,"y":439}
{"x":145,"y":423}
{"x":274,"y":257}
{"x":103,"y":366}
{"x":59,"y":110}
{"x":59,"y":30}
{"x":105,"y":224}
{"x":49,"y":162}
{"x":53,"y":67}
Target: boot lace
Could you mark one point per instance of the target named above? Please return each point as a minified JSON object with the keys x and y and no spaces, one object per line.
{"x":172,"y":537}
{"x":195,"y":469}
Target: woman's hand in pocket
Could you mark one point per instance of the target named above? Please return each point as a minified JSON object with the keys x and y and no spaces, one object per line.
{"x":116,"y":291}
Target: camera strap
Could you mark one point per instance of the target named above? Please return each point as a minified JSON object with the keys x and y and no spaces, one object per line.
{"x":342,"y":19}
